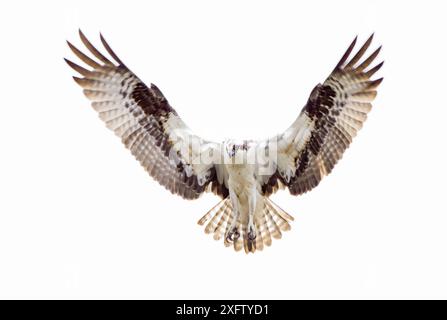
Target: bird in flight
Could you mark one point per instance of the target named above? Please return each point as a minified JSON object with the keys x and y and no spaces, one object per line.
{"x":243,"y":173}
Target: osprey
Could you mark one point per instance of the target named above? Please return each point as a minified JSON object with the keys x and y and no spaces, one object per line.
{"x":243,"y":173}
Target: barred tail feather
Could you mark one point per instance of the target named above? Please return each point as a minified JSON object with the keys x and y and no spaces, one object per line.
{"x":270,"y":221}
{"x":240,"y":242}
{"x":218,"y":219}
{"x":280,"y":217}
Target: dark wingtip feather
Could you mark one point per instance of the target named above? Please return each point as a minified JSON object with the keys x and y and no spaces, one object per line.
{"x":361,"y":52}
{"x":109,"y":50}
{"x":92,"y":49}
{"x":374,"y":84}
{"x":69,"y":44}
{"x":78,"y":80}
{"x":83,"y":56}
{"x":372,"y":71}
{"x":378,"y":81}
{"x":347,"y":53}
{"x":77,"y":68}
{"x":368,"y":60}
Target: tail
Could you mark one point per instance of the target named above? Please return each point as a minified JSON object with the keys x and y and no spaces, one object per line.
{"x":270,"y":221}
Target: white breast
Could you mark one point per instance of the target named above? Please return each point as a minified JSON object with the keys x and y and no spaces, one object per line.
{"x":241,"y":178}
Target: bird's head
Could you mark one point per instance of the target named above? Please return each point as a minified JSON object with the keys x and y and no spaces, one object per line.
{"x":235,"y":148}
{"x":231,"y":147}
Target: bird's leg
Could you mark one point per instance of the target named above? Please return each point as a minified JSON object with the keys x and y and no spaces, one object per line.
{"x":251,"y":212}
{"x":233,"y":233}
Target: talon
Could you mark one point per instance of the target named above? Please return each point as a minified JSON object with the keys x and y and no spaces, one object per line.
{"x":233,"y":234}
{"x":251,"y":236}
{"x":251,"y":233}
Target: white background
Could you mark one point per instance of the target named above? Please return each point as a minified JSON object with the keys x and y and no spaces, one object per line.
{"x":79,"y":217}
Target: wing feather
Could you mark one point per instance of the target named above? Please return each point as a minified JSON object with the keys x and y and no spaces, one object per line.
{"x":334,"y":113}
{"x":146,"y":123}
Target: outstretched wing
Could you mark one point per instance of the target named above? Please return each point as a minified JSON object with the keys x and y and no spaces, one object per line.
{"x":334,"y":113}
{"x":148,"y":126}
